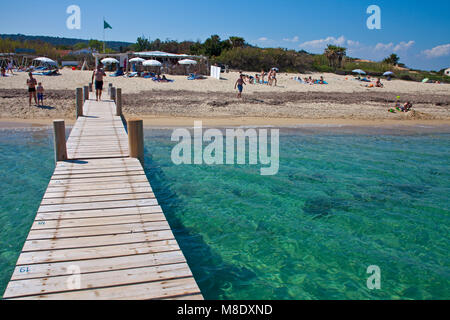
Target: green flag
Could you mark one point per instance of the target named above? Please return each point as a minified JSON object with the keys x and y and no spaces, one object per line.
{"x":106,"y":25}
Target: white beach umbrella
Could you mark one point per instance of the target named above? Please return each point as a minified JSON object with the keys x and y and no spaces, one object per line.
{"x":109,"y":61}
{"x":137,"y":60}
{"x":46,"y":60}
{"x":187,"y":61}
{"x":388,"y":73}
{"x":152,"y":63}
{"x":359,"y":71}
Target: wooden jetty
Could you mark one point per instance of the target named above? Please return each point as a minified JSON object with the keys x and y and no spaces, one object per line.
{"x":99,"y":232}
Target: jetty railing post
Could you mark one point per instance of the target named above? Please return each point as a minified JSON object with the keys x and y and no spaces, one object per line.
{"x":119,"y":102}
{"x":109,"y":88}
{"x":136,"y":139}
{"x":113,"y":94}
{"x":59,"y":130}
{"x":90,"y":86}
{"x":86,"y":92}
{"x":79,"y":94}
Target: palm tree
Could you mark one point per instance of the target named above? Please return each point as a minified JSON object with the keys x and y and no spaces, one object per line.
{"x":335,"y":55}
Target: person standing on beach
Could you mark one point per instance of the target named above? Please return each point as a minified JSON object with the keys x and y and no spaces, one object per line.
{"x":263,"y":74}
{"x":98,"y":74}
{"x":31,"y":84}
{"x":10,"y":67}
{"x":240,"y":85}
{"x":40,"y":94}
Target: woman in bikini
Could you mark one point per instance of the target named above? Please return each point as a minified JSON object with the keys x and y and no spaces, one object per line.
{"x":31,"y":84}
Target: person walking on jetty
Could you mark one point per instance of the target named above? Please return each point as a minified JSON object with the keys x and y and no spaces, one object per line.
{"x":31,"y":84}
{"x":98,"y":74}
{"x":240,"y":85}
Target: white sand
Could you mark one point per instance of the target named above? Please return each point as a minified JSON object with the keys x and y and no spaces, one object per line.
{"x":73,"y":79}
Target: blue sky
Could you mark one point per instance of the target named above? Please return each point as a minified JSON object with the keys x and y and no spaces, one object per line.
{"x":418,"y":31}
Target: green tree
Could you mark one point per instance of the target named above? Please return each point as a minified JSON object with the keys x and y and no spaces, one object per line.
{"x":96,"y":44}
{"x":81,"y":45}
{"x":142,"y":44}
{"x":237,"y":42}
{"x":392,"y":59}
{"x":335,"y":55}
{"x":213,"y":46}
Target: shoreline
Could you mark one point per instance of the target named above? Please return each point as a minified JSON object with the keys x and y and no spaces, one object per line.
{"x":163,"y":121}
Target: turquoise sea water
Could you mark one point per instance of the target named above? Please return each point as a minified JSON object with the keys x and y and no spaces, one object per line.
{"x":343,"y":200}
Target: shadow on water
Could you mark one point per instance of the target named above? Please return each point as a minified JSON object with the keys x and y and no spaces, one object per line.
{"x":212,"y":274}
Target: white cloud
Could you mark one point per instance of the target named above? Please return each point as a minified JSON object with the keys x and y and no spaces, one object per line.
{"x":321,"y":44}
{"x":263,"y":39}
{"x":439,"y":51}
{"x":294,"y":39}
{"x":402,"y":46}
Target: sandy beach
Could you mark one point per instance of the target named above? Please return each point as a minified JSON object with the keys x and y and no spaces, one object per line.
{"x":342,"y":101}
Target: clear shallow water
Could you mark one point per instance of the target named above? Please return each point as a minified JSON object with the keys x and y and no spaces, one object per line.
{"x":342,"y":201}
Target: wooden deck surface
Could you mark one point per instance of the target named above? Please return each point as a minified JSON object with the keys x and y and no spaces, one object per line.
{"x":99,"y":216}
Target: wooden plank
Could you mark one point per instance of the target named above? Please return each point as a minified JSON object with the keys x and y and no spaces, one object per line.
{"x":100,"y":192}
{"x":96,"y":241}
{"x":143,"y":291}
{"x":105,"y":264}
{"x":62,"y":215}
{"x":96,"y":186}
{"x":72,"y":223}
{"x":86,"y":253}
{"x":100,"y":198}
{"x":98,"y":279}
{"x":97,"y":205}
{"x":97,"y":230}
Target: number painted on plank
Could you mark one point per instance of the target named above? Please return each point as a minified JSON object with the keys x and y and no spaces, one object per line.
{"x":24,"y":269}
{"x":41,"y":222}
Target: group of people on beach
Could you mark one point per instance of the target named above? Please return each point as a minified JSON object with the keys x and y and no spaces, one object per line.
{"x":257,"y":79}
{"x":310,"y":80}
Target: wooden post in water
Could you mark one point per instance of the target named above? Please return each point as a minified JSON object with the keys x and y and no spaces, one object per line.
{"x":86,"y":92}
{"x":136,"y":139}
{"x":59,"y":130}
{"x":113,"y":94}
{"x":119,"y":102}
{"x":79,"y":94}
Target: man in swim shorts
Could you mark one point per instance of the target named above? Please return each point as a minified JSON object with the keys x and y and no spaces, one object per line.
{"x":31,"y":84}
{"x":98,"y":75}
{"x":240,"y":85}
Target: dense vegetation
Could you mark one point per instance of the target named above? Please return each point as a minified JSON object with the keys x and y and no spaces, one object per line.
{"x":234,"y":52}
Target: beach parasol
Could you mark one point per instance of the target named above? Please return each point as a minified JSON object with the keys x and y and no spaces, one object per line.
{"x":136,"y":60}
{"x":425,"y":80}
{"x":388,"y":73}
{"x":187,"y":62}
{"x":359,"y":71}
{"x":152,"y":63}
{"x":46,"y":60}
{"x":276,"y":69}
{"x":109,"y":61}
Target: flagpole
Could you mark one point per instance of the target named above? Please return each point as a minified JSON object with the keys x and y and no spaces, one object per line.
{"x":104,"y":39}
